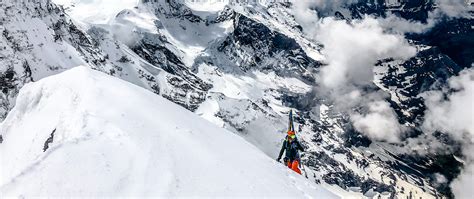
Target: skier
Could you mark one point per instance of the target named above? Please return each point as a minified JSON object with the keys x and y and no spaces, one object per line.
{"x":292,"y":156}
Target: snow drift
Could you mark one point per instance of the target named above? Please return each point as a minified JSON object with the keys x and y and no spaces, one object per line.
{"x":85,"y":134}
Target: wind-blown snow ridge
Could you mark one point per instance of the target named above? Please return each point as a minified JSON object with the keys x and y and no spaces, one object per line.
{"x":113,"y":139}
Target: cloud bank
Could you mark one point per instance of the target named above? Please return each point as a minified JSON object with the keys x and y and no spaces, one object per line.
{"x":306,"y":11}
{"x":452,"y":111}
{"x":352,"y":49}
{"x":380,"y":123}
{"x":454,"y":8}
{"x":444,"y":9}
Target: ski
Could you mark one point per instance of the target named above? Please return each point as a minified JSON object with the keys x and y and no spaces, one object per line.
{"x":290,"y":122}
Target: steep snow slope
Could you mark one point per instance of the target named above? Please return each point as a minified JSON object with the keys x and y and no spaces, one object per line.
{"x":83,"y":133}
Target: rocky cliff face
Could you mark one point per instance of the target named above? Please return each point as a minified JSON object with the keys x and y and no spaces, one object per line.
{"x":253,"y":46}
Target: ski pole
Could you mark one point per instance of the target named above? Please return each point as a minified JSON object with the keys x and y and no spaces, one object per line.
{"x":302,"y":166}
{"x":305,"y":173}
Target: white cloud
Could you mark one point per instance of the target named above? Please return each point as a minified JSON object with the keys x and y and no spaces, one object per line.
{"x":454,"y":8}
{"x":462,"y":186}
{"x":400,"y":25}
{"x":305,"y":14}
{"x":453,"y":114}
{"x":380,"y":123}
{"x":322,"y":5}
{"x":353,"y":49}
{"x":444,"y":8}
{"x":305,"y":11}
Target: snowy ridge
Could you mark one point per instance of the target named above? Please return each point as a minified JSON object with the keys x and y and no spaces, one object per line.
{"x":127,"y":141}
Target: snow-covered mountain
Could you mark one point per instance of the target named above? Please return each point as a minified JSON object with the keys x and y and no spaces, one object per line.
{"x":72,"y":135}
{"x":39,"y":40}
{"x":243,"y":66}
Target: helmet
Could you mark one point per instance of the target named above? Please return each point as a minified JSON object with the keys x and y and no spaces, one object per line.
{"x":291,"y":133}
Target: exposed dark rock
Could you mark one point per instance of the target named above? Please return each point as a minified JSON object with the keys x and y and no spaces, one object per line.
{"x":267,"y":50}
{"x":453,"y":37}
{"x":7,"y":80}
{"x":49,"y":141}
{"x":302,"y":102}
{"x":151,"y":48}
{"x":124,"y":59}
{"x":421,"y":73}
{"x":319,"y":158}
{"x":354,"y":138}
{"x":427,"y":166}
{"x":349,"y":179}
{"x":175,"y":9}
{"x":410,"y":10}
